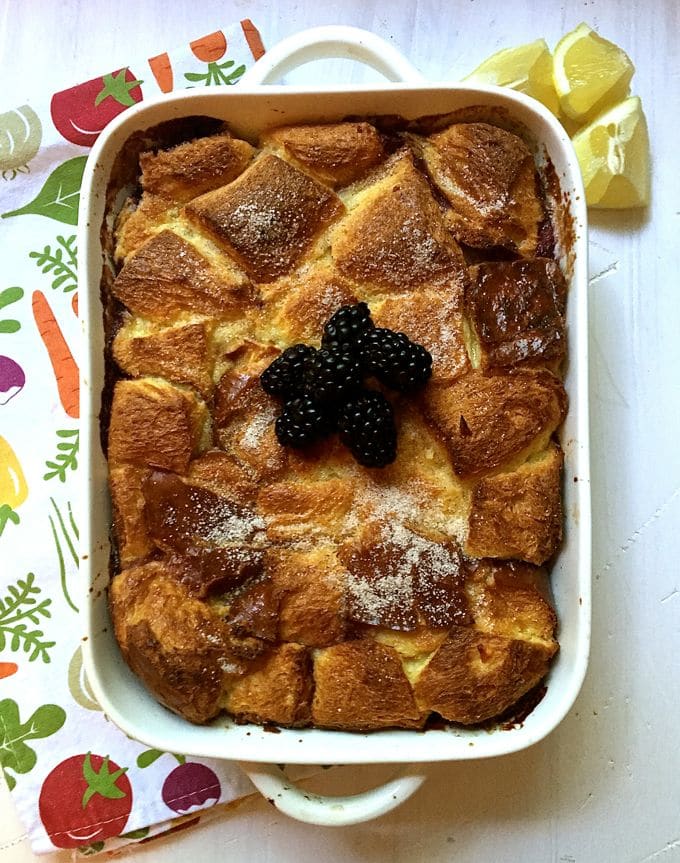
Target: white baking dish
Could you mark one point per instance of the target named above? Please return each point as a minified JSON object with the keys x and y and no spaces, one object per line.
{"x":249,"y":108}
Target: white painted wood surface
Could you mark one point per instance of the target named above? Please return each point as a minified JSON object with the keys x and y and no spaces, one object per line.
{"x":606,"y":785}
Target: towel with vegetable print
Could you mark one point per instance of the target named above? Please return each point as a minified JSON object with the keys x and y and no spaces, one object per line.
{"x":78,"y":781}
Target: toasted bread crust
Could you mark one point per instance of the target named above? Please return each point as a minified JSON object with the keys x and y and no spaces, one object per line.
{"x":361,"y":685}
{"x":517,"y":312}
{"x":488,"y":420}
{"x":394,"y":238}
{"x":474,"y":676}
{"x":335,"y":153}
{"x":268,"y":218}
{"x":489,"y":179}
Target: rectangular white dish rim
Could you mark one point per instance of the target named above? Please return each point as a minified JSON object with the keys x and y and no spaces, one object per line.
{"x":121,"y":695}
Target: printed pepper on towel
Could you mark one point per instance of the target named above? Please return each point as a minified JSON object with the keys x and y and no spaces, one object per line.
{"x":13,"y":488}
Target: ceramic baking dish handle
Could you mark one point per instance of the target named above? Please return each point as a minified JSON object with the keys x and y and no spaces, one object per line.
{"x":271,"y":781}
{"x":338,"y":42}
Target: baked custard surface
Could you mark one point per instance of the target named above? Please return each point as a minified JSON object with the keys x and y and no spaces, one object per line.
{"x":296,"y":587}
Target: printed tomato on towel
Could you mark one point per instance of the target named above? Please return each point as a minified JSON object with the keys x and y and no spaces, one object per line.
{"x":81,"y":112}
{"x":85,"y":799}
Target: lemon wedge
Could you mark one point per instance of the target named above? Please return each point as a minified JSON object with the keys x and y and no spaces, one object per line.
{"x":613,"y":152}
{"x":590,"y":73}
{"x":527,"y":68}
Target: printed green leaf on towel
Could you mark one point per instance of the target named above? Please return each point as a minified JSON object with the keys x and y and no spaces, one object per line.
{"x":7,"y":515}
{"x":7,"y":297}
{"x":61,"y":262}
{"x":66,"y":458}
{"x":216,"y":74}
{"x":140,"y":833}
{"x":18,"y":609}
{"x":149,"y":756}
{"x":66,"y":535}
{"x":60,"y":195}
{"x":117,"y":86}
{"x":15,"y":754}
{"x":91,"y":850}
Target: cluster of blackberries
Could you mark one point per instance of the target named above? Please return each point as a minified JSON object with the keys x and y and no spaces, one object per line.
{"x":323,"y":389}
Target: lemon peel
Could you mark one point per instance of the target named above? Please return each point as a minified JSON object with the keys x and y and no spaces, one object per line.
{"x":527,"y":68}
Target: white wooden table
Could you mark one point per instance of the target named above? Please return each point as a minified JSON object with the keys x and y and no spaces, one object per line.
{"x":605,"y":786}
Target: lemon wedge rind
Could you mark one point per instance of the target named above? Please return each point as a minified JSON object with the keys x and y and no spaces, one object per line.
{"x":526,"y":68}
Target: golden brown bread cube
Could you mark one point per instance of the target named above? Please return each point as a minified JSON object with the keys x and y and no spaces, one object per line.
{"x":155,"y":424}
{"x":489,"y":178}
{"x":512,"y":599}
{"x":294,"y":510}
{"x":181,"y":354}
{"x":180,"y":515}
{"x":172,"y":177}
{"x":243,"y":418}
{"x":268,"y":218}
{"x":176,"y":644}
{"x":296,"y":308}
{"x":517,"y":312}
{"x":480,"y":672}
{"x":194,"y":167}
{"x":394,"y":237}
{"x":278,"y":689}
{"x":360,"y":685}
{"x":128,"y":502}
{"x":335,"y":153}
{"x":139,"y":221}
{"x":475,"y":676}
{"x":433,"y":319}
{"x":312,"y":594}
{"x":518,"y":514}
{"x":401,"y":579}
{"x":295,"y":586}
{"x":223,"y":475}
{"x":488,"y":420}
{"x":168,"y":275}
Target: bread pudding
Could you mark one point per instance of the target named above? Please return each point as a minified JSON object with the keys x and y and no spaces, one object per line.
{"x":297,"y":586}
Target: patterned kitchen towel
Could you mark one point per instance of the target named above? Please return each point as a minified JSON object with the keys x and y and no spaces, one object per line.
{"x":78,"y":782}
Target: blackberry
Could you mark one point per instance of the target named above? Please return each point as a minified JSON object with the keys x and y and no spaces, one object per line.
{"x":301,"y":422}
{"x":366,"y":425}
{"x":347,"y":326}
{"x":284,"y":376}
{"x":395,"y":360}
{"x":332,"y":375}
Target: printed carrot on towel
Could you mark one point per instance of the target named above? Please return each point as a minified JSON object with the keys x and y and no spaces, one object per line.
{"x":74,"y":303}
{"x":7,"y":669}
{"x":209,"y":48}
{"x":63,"y":363}
{"x":162,"y":71}
{"x":253,"y":38}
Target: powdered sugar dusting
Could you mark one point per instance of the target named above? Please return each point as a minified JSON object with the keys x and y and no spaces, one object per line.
{"x":219,"y":521}
{"x":329,"y":299}
{"x":257,"y":427}
{"x":262,"y":219}
{"x":387,"y":599}
{"x":398,"y":574}
{"x":390,"y":502}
